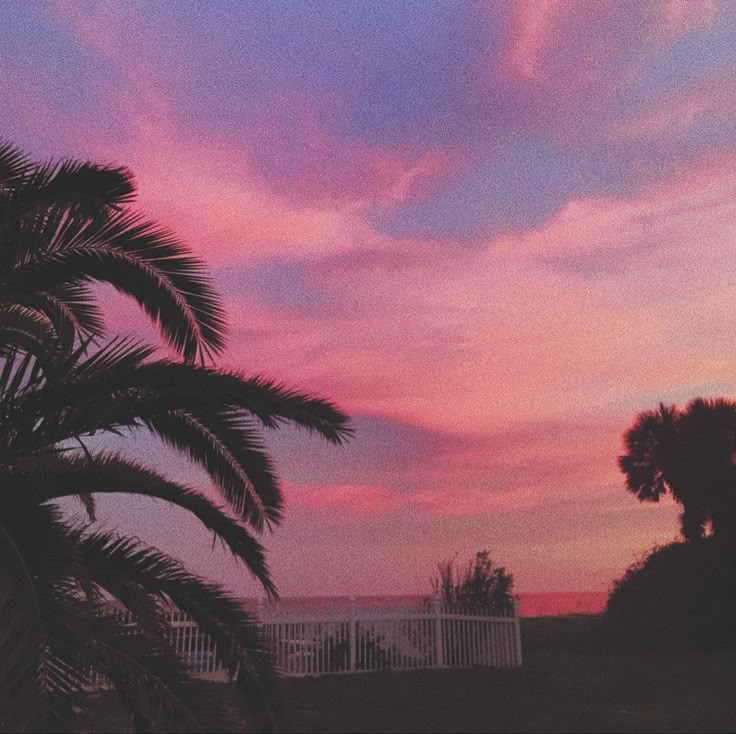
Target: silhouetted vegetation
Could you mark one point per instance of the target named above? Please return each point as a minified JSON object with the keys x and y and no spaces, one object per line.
{"x":63,"y":229}
{"x":690,"y":454}
{"x":565,"y":633}
{"x":682,"y":595}
{"x":477,"y":584}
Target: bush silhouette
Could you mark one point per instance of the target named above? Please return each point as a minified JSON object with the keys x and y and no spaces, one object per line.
{"x":480,"y":584}
{"x":680,"y":596}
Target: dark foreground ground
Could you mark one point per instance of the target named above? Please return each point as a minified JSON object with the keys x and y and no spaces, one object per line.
{"x":562,"y":687}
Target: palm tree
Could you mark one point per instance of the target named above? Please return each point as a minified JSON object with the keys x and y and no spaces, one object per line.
{"x":61,"y":229}
{"x":66,"y":226}
{"x":690,"y":454}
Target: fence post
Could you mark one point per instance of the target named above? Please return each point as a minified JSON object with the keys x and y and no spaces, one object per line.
{"x":517,"y":632}
{"x":351,"y":634}
{"x":438,"y":646}
{"x":259,"y":610}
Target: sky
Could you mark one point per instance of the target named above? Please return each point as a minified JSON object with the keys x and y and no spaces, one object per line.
{"x":491,"y":232}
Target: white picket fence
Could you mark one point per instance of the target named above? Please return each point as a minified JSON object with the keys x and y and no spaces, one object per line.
{"x":340,"y":640}
{"x":352,"y":639}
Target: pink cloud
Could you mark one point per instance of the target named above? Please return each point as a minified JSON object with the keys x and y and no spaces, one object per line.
{"x":450,"y":494}
{"x":532,"y":353}
{"x":578,"y":43}
{"x":472,"y":501}
{"x":356,"y":504}
{"x":497,"y":337}
{"x":102,"y":26}
{"x":306,"y":165}
{"x":530,"y":27}
{"x":341,"y":503}
{"x":572,"y":63}
{"x":675,"y":113}
{"x":551,"y":466}
{"x":548,"y":457}
{"x":308,"y":199}
{"x":698,"y":197}
{"x":675,"y":18}
{"x":210,"y":192}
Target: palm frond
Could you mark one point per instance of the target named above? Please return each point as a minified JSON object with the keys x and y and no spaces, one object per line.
{"x":31,"y":331}
{"x":70,"y":309}
{"x":136,"y":257}
{"x":65,"y":225}
{"x":85,"y":189}
{"x":231,"y":453}
{"x":20,"y":637}
{"x":19,"y":375}
{"x":150,"y":680}
{"x":47,"y":556}
{"x":271,"y":402}
{"x":239,"y":645}
{"x":142,"y":666}
{"x":55,"y":476}
{"x":37,"y":329}
{"x":109,"y":364}
{"x":13,"y":165}
{"x":206,"y":414}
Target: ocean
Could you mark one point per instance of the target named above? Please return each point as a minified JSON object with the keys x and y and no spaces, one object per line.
{"x":532,"y":604}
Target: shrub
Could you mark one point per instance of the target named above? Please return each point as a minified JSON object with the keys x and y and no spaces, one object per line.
{"x":479,"y":584}
{"x":681,"y":595}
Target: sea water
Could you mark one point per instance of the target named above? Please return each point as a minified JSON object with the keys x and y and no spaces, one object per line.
{"x":531,"y":604}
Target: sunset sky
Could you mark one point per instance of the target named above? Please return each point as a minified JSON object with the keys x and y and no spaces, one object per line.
{"x":491,"y":232}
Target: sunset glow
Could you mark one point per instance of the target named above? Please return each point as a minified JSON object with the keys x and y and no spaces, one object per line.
{"x":490,"y":232}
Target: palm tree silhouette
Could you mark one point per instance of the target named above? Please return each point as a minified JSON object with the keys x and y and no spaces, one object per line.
{"x":690,"y":454}
{"x":62,"y":228}
{"x":65,"y":227}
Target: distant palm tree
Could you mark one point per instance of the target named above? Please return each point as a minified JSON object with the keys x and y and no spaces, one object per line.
{"x":61,"y":229}
{"x":690,"y":454}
